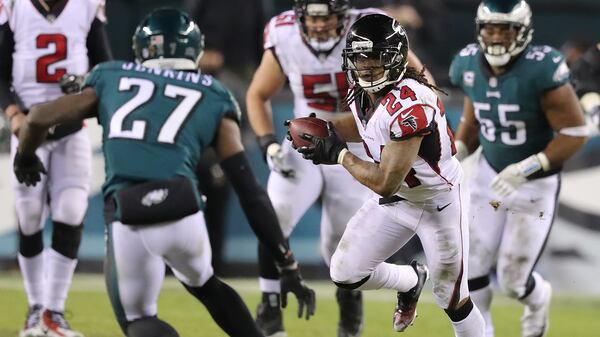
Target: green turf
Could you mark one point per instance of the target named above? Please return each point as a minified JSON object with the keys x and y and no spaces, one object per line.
{"x":91,"y":312}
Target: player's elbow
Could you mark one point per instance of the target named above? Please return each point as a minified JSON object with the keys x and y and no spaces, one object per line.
{"x":35,"y":118}
{"x":386,"y":189}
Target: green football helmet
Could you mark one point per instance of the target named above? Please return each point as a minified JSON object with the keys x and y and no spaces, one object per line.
{"x":169,"y":39}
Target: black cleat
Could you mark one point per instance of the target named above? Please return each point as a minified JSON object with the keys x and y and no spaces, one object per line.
{"x":406,"y":309}
{"x":351,"y":312}
{"x":268,"y":316}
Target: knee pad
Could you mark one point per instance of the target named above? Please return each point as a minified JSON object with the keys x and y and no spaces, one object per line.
{"x":69,"y":205}
{"x":29,"y":215}
{"x":459,"y":314}
{"x":31,"y":245}
{"x":352,"y":286}
{"x":66,"y":239}
{"x":150,"y":327}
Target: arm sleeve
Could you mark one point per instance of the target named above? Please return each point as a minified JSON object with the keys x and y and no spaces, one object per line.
{"x":7,"y":45}
{"x":257,"y":207}
{"x":97,"y":44}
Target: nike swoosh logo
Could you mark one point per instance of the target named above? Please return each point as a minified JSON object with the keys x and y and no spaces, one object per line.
{"x":442,"y":208}
{"x":404,"y":115}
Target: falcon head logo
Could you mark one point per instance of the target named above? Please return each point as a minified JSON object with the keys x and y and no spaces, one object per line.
{"x":410,"y":121}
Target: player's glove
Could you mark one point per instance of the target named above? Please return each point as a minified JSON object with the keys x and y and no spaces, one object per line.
{"x":515,"y":175}
{"x":329,"y":150}
{"x":273,"y":153}
{"x":590,"y":102}
{"x":292,"y":282}
{"x":28,"y":169}
{"x":70,"y":84}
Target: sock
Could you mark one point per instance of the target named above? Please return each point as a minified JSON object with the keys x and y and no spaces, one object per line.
{"x":226,"y":308}
{"x":269,"y":286}
{"x":59,"y":273}
{"x":538,"y":294}
{"x":471,"y":326}
{"x":482,"y":298}
{"x":32,"y":269}
{"x":401,"y":278}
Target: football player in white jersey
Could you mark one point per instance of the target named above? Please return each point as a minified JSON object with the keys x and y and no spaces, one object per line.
{"x":413,"y":172}
{"x":303,"y":46}
{"x":40,"y":42}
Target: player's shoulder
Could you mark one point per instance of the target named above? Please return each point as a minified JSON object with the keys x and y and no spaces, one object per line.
{"x":115,"y":65}
{"x":545,"y":62}
{"x":282,"y":23}
{"x":467,"y":55}
{"x":410,"y":92}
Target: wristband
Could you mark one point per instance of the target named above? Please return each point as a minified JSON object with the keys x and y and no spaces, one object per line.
{"x":340,"y":158}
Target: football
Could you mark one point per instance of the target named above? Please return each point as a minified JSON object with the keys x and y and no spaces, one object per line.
{"x":309,"y":125}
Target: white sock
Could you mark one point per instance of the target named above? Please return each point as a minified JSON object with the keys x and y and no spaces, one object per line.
{"x":472,"y":326}
{"x":269,"y":286}
{"x":538,"y":294}
{"x":482,"y":298}
{"x":59,"y":273}
{"x":32,"y":269}
{"x":401,"y":278}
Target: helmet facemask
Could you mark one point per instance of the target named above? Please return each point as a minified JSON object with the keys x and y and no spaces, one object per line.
{"x":322,"y":24}
{"x":374,"y":69}
{"x":518,"y":24}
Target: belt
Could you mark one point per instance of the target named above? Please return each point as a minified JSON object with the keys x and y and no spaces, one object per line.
{"x":390,"y":200}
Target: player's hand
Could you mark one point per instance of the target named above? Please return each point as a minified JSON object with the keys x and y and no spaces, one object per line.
{"x":515,"y":175}
{"x":292,"y":282}
{"x":276,"y":161}
{"x":288,"y":134}
{"x":70,"y":83}
{"x":324,"y":150}
{"x":28,"y":169}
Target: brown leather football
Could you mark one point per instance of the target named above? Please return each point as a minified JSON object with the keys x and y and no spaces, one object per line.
{"x":310,"y":125}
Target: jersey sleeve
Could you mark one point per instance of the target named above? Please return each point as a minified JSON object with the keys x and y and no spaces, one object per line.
{"x":269,"y":38}
{"x":455,"y":72}
{"x":554,"y":71}
{"x":92,"y":79}
{"x":231,"y":108}
{"x":416,"y":120}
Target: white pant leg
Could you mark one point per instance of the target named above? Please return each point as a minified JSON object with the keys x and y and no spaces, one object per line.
{"x":291,"y":197}
{"x":342,"y":197}
{"x":443,"y":231}
{"x":69,"y":177}
{"x":372,"y":235}
{"x":528,"y":224}
{"x":30,"y":201}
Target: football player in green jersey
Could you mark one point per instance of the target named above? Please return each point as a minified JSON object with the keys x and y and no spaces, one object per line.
{"x":158,"y":116}
{"x":521,"y":109}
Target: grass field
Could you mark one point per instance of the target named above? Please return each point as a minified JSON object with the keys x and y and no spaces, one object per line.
{"x":92,"y":314}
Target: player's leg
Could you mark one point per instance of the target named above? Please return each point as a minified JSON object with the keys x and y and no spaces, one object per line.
{"x":487,"y":217}
{"x":342,"y":197}
{"x":528,"y":225}
{"x":291,"y":198}
{"x":187,"y":251}
{"x":30,"y":205}
{"x":133,"y":277}
{"x":69,"y":174}
{"x":444,"y":234}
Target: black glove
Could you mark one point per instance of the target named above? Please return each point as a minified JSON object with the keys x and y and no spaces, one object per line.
{"x":70,"y":84}
{"x":324,"y":150}
{"x":291,"y":281}
{"x":28,"y":168}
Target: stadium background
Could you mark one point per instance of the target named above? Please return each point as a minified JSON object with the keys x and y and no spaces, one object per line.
{"x":572,"y":258}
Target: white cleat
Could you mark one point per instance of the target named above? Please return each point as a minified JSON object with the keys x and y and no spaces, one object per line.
{"x":55,"y":325}
{"x":535,"y":321}
{"x":32,"y":327}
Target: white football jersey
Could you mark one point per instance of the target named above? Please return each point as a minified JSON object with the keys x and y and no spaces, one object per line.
{"x":317,"y":81}
{"x":47,"y":47}
{"x":408,"y":110}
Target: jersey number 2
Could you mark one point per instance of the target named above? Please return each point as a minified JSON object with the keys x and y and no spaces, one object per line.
{"x":42,"y":64}
{"x":169,"y":130}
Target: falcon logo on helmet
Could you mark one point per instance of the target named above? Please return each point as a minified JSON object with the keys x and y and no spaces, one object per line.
{"x":323,"y":37}
{"x":514,"y":13}
{"x":376,"y":52}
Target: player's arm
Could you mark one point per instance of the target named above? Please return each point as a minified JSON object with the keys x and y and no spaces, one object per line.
{"x":386,"y":177}
{"x":467,"y":134}
{"x":260,"y":213}
{"x":97,"y":44}
{"x":346,"y":127}
{"x":8,"y":102}
{"x":65,"y":109}
{"x":267,"y":81}
{"x":413,"y":61}
{"x":564,"y":115}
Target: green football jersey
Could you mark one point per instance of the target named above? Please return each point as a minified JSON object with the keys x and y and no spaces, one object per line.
{"x":156,"y":123}
{"x":513,"y":125}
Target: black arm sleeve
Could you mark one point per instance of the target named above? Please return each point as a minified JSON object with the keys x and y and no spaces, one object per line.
{"x":257,"y":207}
{"x":97,"y":44}
{"x":7,"y":46}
